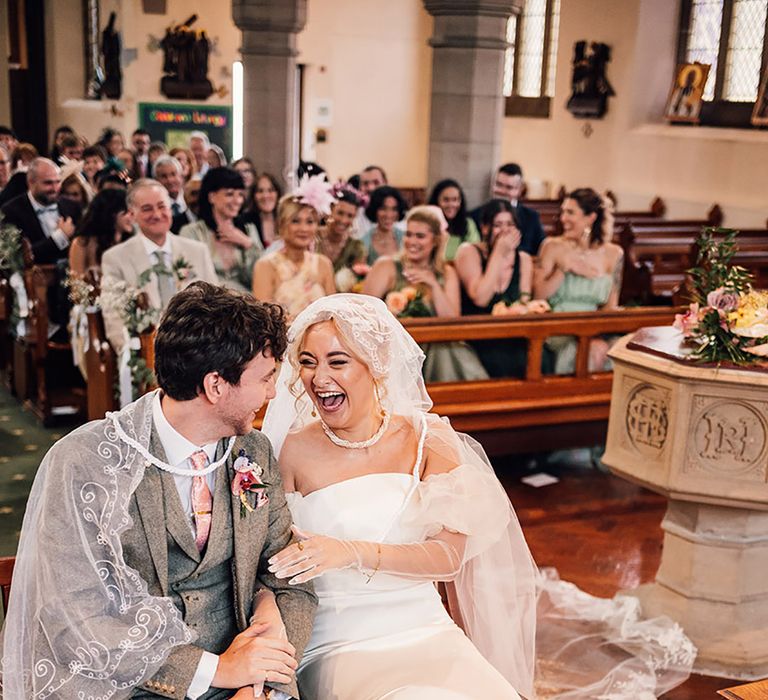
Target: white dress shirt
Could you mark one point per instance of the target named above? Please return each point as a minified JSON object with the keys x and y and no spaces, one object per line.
{"x":151,"y":247}
{"x":48,"y":216}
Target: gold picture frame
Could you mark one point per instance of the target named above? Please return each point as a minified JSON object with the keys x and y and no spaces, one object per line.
{"x":760,"y":110}
{"x":687,"y":92}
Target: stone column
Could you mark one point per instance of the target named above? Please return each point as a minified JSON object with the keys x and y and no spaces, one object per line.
{"x":270,"y":83}
{"x":468,"y":42}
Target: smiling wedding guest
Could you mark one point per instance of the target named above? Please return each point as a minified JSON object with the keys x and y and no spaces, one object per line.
{"x":261,"y":207}
{"x":417,"y":282}
{"x":448,"y":195}
{"x":234,"y":246}
{"x":334,"y":238}
{"x":386,"y":208}
{"x":293,"y":276}
{"x":508,"y":184}
{"x":155,"y":250}
{"x":580,"y":271}
{"x":146,"y":542}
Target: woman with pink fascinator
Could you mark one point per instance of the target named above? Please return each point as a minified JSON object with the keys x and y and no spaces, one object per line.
{"x":293,"y":276}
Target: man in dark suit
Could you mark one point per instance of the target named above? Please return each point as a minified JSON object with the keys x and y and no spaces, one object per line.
{"x":508,"y":184}
{"x":45,"y":221}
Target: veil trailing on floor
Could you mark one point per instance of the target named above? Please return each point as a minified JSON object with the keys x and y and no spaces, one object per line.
{"x":585,"y":647}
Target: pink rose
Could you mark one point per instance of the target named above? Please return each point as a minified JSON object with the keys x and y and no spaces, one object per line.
{"x":722,"y":301}
{"x":361,"y":269}
{"x":688,"y":322}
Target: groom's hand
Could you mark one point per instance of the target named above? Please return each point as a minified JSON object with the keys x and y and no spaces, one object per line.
{"x":252,"y":658}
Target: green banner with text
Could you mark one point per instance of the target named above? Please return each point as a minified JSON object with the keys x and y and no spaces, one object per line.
{"x":172,"y":123}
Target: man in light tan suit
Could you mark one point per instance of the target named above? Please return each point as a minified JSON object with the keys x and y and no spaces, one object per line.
{"x":154,"y":245}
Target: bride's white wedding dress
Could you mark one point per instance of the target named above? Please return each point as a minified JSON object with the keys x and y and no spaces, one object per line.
{"x":389,"y":637}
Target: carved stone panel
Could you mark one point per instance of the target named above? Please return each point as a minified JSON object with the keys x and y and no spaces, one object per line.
{"x":728,"y":437}
{"x":647,"y":418}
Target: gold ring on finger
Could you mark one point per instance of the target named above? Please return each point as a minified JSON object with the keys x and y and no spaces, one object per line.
{"x":300,"y":545}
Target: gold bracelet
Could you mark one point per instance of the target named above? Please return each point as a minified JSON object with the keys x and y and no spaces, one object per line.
{"x":378,"y":563}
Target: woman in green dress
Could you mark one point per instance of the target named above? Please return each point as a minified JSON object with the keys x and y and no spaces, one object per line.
{"x":417,"y":282}
{"x":580,"y":271}
{"x":334,"y":237}
{"x":448,"y":195}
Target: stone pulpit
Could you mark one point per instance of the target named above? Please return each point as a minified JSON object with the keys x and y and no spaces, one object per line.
{"x":699,"y":435}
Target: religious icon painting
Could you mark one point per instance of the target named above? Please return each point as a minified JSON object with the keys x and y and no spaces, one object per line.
{"x":686,"y":95}
{"x":760,"y":112}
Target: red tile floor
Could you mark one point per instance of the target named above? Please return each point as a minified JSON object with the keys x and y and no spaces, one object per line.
{"x":600,"y":532}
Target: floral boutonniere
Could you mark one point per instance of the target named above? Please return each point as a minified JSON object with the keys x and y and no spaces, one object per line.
{"x":183,"y":271}
{"x":248,"y":481}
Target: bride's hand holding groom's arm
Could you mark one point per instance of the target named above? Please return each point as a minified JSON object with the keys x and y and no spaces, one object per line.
{"x":437,"y":559}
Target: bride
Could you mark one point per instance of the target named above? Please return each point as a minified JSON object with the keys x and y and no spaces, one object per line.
{"x":387,"y":500}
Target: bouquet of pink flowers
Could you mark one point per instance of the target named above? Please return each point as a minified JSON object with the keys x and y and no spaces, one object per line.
{"x":727,"y":320}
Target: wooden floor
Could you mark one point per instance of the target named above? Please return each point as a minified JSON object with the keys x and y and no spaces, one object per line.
{"x":600,"y":532}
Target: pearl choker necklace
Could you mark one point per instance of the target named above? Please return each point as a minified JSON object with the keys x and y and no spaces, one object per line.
{"x":336,"y":440}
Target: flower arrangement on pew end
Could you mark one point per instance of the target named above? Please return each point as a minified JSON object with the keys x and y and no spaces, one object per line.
{"x":12,"y":267}
{"x":140,"y":319}
{"x":727,"y":320}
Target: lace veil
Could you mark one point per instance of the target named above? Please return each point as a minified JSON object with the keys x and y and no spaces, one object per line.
{"x":494,"y":594}
{"x":81,"y":622}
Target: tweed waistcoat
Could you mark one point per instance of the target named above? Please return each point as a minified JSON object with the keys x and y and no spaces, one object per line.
{"x":200,"y":583}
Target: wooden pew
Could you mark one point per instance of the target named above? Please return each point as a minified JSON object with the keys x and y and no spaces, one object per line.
{"x":58,"y":385}
{"x":515,"y":415}
{"x":519,"y":415}
{"x":669,"y":253}
{"x":6,"y":337}
{"x":6,"y":576}
{"x":101,"y":366}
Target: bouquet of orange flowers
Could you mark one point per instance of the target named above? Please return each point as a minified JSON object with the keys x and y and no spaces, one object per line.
{"x":407,"y":303}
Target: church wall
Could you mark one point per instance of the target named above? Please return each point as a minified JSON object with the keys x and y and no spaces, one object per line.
{"x":141,"y":70}
{"x":370,"y":61}
{"x":632,"y":151}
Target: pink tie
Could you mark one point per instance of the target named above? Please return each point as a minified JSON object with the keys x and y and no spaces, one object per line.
{"x":202,"y":502}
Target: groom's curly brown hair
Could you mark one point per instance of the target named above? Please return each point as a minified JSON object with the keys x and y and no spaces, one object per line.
{"x":206,"y":329}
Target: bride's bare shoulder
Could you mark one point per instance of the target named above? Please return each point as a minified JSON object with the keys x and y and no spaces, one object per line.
{"x":299,"y":443}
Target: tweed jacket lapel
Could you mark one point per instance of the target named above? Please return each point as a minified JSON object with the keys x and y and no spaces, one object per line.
{"x":249,"y":532}
{"x":176,"y":521}
{"x":149,"y":498}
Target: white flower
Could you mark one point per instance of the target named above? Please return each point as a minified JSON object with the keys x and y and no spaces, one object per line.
{"x":345,"y":279}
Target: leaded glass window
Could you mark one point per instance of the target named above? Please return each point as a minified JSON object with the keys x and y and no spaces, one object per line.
{"x":531,"y":61}
{"x":730,"y":36}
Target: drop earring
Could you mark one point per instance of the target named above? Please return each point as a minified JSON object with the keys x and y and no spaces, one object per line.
{"x":378,"y":399}
{"x":314,"y":412}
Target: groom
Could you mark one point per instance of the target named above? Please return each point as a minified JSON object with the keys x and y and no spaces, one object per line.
{"x":180,"y":490}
